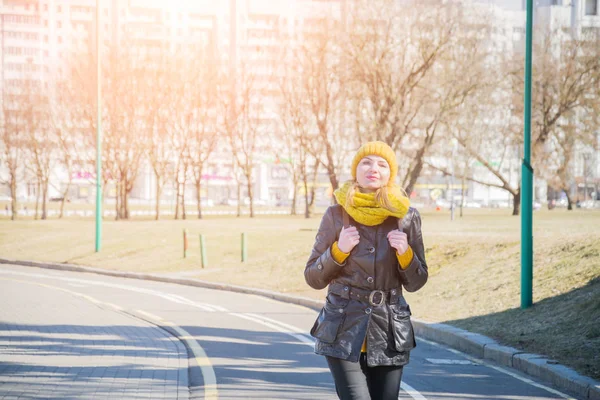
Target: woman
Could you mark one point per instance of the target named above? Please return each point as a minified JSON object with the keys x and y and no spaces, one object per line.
{"x":368,"y":250}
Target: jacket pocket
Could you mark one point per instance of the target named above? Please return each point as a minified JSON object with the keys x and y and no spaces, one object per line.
{"x":404,"y":335}
{"x":328,"y":323}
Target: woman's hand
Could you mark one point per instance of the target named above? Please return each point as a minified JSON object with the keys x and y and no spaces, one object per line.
{"x":349,"y":238}
{"x":398,"y":240}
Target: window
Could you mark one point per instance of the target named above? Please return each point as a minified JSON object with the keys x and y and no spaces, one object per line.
{"x":591,"y":7}
{"x":59,"y":24}
{"x":58,"y":9}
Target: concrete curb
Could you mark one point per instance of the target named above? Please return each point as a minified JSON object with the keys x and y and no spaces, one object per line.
{"x":472,"y":343}
{"x":531,"y":364}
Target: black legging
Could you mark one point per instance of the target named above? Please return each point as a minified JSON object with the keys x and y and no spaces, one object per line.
{"x":357,"y":381}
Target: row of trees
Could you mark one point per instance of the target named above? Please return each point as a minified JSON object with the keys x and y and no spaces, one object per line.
{"x":425,"y":79}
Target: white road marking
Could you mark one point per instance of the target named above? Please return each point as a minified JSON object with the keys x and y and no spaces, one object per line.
{"x":168,"y":296}
{"x":500,"y":369}
{"x":411,"y":391}
{"x":448,"y":361}
{"x":301,"y":338}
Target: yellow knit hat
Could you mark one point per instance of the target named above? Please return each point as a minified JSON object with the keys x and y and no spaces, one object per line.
{"x":380,"y":149}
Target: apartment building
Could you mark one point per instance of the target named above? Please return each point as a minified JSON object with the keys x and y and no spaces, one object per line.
{"x":39,"y":36}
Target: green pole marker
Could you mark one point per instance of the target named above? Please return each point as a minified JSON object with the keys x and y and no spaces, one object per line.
{"x":244,"y":250}
{"x":527,"y":178}
{"x":98,"y":136}
{"x":185,"y":243}
{"x":202,"y":252}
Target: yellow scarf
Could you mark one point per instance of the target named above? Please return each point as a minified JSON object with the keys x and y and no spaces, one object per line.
{"x":366,"y":210}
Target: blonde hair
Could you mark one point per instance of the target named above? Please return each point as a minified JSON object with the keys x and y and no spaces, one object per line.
{"x":381,"y":196}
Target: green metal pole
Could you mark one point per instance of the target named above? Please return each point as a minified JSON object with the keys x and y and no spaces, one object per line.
{"x":98,"y":136}
{"x":527,"y":178}
{"x":202,"y":252}
{"x":244,"y":250}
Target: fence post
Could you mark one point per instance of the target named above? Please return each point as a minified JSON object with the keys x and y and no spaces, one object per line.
{"x":185,"y":243}
{"x":244,"y":252}
{"x":202,"y":251}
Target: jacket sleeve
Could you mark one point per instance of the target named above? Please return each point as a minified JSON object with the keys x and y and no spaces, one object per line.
{"x":415,"y":275}
{"x":321,"y":267}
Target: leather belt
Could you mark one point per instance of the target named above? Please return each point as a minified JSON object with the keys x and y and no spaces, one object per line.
{"x":373,"y":297}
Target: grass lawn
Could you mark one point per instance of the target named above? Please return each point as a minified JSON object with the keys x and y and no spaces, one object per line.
{"x":474,"y":265}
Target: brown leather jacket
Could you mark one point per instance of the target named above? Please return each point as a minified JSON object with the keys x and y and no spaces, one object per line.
{"x":365,"y":292}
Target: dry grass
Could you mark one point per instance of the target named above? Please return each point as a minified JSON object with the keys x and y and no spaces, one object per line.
{"x":474,"y":265}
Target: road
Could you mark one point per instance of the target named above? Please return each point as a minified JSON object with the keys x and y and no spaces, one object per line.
{"x":68,"y":335}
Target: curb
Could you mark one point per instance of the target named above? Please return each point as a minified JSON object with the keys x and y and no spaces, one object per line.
{"x":474,"y":344}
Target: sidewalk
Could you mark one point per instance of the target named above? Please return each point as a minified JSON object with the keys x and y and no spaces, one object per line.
{"x":82,"y":349}
{"x":474,"y":344}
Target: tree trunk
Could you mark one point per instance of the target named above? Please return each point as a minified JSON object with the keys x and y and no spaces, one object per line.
{"x":306,"y":203}
{"x":177,"y":198}
{"x":13,"y":195}
{"x":158,"y":193}
{"x":250,"y":194}
{"x":45,"y":199}
{"x":332,"y":177}
{"x":311,"y":203}
{"x":104,"y":188}
{"x":64,"y":197}
{"x":37,"y":199}
{"x":294,"y":197}
{"x":126,"y":201}
{"x":516,"y":202}
{"x":462,"y":194}
{"x":118,"y":201}
{"x":198,"y":189}
{"x":569,"y":199}
{"x":183,"y":215}
{"x":239,"y":198}
{"x":415,"y":172}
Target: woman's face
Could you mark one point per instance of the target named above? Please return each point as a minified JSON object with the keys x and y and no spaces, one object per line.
{"x":372,"y":173}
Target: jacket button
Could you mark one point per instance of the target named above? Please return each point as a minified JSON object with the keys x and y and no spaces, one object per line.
{"x":346,"y":288}
{"x":371,"y":249}
{"x":319,"y":267}
{"x":393,"y":291}
{"x":341,"y":310}
{"x":370,"y":279}
{"x":368,"y":311}
{"x":419,"y":272}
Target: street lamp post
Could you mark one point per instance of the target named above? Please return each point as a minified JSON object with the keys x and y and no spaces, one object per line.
{"x":527,"y":177}
{"x":98,"y":136}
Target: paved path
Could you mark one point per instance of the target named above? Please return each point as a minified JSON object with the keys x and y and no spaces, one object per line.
{"x":68,"y":335}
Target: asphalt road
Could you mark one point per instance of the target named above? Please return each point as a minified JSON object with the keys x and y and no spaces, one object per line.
{"x":67,"y":335}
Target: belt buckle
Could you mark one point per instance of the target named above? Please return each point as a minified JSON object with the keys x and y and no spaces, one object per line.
{"x":372,"y":296}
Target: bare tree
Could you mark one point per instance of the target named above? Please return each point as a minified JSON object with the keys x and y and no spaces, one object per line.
{"x":243,"y":111}
{"x":295,"y":125}
{"x":158,"y":149}
{"x":565,"y":76}
{"x":40,"y":140}
{"x":13,"y":139}
{"x":323,"y":79}
{"x":204,"y":95}
{"x":391,"y":50}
